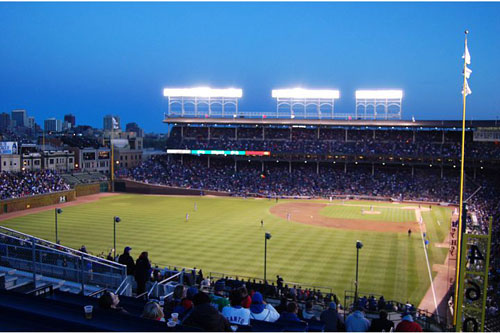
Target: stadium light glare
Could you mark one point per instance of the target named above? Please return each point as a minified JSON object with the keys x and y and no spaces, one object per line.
{"x":305,"y":93}
{"x":379,"y":94}
{"x":203,"y":92}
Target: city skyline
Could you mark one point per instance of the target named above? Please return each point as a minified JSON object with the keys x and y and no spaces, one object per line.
{"x":95,"y":59}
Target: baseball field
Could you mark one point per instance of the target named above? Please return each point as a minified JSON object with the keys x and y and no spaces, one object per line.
{"x":313,"y":242}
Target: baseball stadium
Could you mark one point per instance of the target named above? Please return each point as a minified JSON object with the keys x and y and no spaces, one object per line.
{"x":302,"y":205}
{"x":249,"y":166}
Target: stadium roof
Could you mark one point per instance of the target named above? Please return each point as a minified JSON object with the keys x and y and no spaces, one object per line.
{"x":330,"y":122}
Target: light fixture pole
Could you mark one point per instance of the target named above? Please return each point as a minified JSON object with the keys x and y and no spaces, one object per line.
{"x":57,"y":211}
{"x":268,"y":236}
{"x":116,"y":220}
{"x":359,"y":245}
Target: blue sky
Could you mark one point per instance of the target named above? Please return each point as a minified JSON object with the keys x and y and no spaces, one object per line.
{"x":92,"y":59}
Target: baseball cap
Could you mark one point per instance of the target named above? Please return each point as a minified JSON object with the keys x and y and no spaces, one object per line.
{"x":127,"y":249}
{"x":257,"y":298}
{"x":220,"y":285}
{"x":332,"y":306}
{"x":191,"y":292}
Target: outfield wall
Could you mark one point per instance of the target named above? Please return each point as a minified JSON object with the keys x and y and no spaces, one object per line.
{"x":131,"y":186}
{"x":35,"y":201}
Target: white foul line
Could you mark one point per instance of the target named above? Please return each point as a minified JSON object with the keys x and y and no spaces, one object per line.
{"x":429,"y":270}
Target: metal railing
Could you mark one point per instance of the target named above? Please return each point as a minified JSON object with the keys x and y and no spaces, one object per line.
{"x":40,"y":257}
{"x":273,"y":114}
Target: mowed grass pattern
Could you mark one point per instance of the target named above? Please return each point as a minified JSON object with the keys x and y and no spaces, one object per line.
{"x":354,"y":211}
{"x":224,"y":235}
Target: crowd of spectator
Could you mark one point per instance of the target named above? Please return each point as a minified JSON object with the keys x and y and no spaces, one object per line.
{"x":231,"y":304}
{"x":331,"y":142}
{"x":26,"y":183}
{"x":303,"y":180}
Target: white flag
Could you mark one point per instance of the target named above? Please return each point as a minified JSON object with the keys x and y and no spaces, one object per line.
{"x":466,"y":55}
{"x":467,"y":89}
{"x":467,"y":72}
{"x":115,"y":123}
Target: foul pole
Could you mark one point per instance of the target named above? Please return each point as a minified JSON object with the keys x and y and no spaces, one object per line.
{"x":461,"y":220}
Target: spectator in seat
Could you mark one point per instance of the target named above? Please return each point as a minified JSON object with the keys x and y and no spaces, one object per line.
{"x":205,"y":317}
{"x":247,"y":299}
{"x":126,"y":259}
{"x":110,"y":301}
{"x":381,"y":323}
{"x":236,"y":313}
{"x":408,"y":325}
{"x":331,"y":318}
{"x":259,"y":310}
{"x":283,"y":303}
{"x":218,"y":300}
{"x":186,"y":304}
{"x":290,"y":314}
{"x":205,"y":284}
{"x":176,"y":299}
{"x":307,"y":312}
{"x":152,"y":310}
{"x":356,"y":321}
{"x":142,"y":272}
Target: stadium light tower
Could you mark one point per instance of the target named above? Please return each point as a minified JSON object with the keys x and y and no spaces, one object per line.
{"x":116,"y":220}
{"x":202,"y":101}
{"x":359,"y":245}
{"x":305,"y":103}
{"x":267,"y":236}
{"x":57,"y":211}
{"x":378,"y":104}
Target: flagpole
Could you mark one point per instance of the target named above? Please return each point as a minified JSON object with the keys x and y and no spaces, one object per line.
{"x":461,"y":221}
{"x":112,"y":159}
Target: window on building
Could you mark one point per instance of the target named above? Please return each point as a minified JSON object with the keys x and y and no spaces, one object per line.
{"x":51,"y":161}
{"x":71,"y":160}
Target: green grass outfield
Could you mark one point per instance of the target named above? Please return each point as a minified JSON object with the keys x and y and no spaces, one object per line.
{"x":224,"y":235}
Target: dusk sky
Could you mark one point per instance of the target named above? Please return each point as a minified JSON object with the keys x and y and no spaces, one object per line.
{"x":93,"y":59}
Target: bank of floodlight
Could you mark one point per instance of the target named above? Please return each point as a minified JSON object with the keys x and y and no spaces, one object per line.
{"x":300,"y":93}
{"x":204,"y":92}
{"x":379,"y":94}
{"x":305,"y":103}
{"x":379,"y":104}
{"x":202,"y":101}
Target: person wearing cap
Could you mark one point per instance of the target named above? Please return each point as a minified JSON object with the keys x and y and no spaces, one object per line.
{"x":259,"y":310}
{"x":356,"y":321}
{"x":217,"y":299}
{"x":126,"y":259}
{"x":408,"y":325}
{"x":331,"y":318}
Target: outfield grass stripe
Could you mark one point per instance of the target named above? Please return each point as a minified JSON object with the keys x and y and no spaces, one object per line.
{"x":224,"y":235}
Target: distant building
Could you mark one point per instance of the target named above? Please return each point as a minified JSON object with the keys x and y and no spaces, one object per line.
{"x":66,"y":126}
{"x":109,"y":124}
{"x":52,"y":125}
{"x":70,"y":118}
{"x":10,"y":163}
{"x":31,"y":122}
{"x":59,"y":160}
{"x":4,"y":121}
{"x":31,"y":162}
{"x":133,"y":127}
{"x":20,"y":117}
{"x":92,"y":159}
